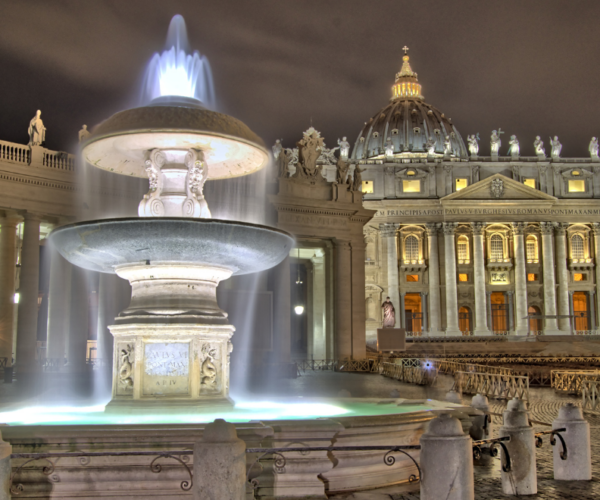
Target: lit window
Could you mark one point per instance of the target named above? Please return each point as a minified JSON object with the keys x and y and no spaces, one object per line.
{"x":411,"y":248}
{"x":411,"y":172}
{"x":411,"y":186}
{"x":531,"y":248}
{"x":412,"y":278}
{"x":462,"y":249}
{"x":579,"y":277}
{"x":577,"y":247}
{"x":463,"y":277}
{"x":529,"y":182}
{"x":496,"y":247}
{"x":461,"y":184}
{"x":367,"y":187}
{"x":532,"y":277}
{"x":577,"y":186}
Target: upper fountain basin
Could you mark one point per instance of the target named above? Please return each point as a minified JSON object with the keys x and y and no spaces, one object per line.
{"x":103,"y":245}
{"x":121,"y":143}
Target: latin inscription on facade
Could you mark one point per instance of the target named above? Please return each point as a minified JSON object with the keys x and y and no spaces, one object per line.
{"x":312,"y":220}
{"x":166,"y":369}
{"x":499,"y":278}
{"x":489,"y":211}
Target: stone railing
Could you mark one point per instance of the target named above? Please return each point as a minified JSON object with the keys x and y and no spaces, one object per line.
{"x":37,"y":156}
{"x":451,"y":367}
{"x":15,"y":152}
{"x":492,"y":385}
{"x":571,"y":381}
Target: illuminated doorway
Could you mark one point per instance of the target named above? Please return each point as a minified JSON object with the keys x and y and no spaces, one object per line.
{"x":464,"y":320}
{"x":413,"y":313}
{"x":535,"y":324}
{"x":580,"y":311}
{"x":499,"y":312}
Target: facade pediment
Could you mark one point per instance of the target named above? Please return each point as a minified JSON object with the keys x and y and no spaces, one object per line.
{"x":498,"y":188}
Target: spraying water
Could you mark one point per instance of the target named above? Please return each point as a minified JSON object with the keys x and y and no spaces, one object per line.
{"x":176,"y":72}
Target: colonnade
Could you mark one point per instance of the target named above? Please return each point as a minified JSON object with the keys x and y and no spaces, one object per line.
{"x":68,"y":307}
{"x":557,"y":298}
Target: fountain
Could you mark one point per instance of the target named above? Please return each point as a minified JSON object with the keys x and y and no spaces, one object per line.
{"x":172,"y":344}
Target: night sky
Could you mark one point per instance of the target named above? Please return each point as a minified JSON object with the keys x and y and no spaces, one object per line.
{"x":528,"y":67}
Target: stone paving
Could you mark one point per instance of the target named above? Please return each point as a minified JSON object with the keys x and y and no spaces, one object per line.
{"x":544,"y":406}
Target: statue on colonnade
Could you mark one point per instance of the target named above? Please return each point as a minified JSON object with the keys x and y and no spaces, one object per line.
{"x":36,"y":130}
{"x":556,"y":147}
{"x":473,"y":141}
{"x":344,"y":147}
{"x":514,"y":148}
{"x":538,"y":145}
{"x":495,"y":141}
{"x":84,"y":133}
{"x":593,"y":148}
{"x":389,"y":314}
{"x":309,"y":150}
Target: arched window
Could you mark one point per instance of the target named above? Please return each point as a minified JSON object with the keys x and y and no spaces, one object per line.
{"x":462,"y":249}
{"x":496,"y":247}
{"x":577,"y":251}
{"x":531,"y":248}
{"x":411,"y":248}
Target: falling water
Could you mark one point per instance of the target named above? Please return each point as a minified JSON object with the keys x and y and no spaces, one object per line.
{"x":175,"y":71}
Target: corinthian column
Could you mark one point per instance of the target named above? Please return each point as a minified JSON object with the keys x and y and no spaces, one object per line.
{"x":563,"y":275}
{"x":8,"y":261}
{"x":596,"y":229}
{"x":481,"y":327}
{"x":450,"y":265}
{"x":550,"y":326}
{"x":343,"y":299}
{"x":388,"y":233}
{"x":520,"y":279}
{"x":28,"y":301}
{"x":435,"y":325}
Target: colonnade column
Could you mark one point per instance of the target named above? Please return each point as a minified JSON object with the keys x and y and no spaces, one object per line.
{"x":572,"y":311}
{"x":592,"y":313}
{"x":357,"y":276}
{"x":28,"y":298}
{"x":388,"y":232}
{"x":481,"y":327}
{"x":596,"y":230}
{"x":319,"y":293}
{"x":424,"y":314}
{"x":550,"y":326}
{"x":451,"y":286}
{"x":433,"y":267}
{"x":343,"y":300}
{"x":59,"y":307}
{"x":563,"y":275}
{"x":78,"y":322}
{"x":8,"y":261}
{"x":283,"y":310}
{"x":521,"y":307}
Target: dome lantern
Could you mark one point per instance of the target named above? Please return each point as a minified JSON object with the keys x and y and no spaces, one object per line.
{"x":407,"y":84}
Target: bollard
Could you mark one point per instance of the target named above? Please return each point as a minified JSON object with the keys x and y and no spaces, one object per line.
{"x":453,"y":397}
{"x":446,"y":461}
{"x":522,"y":478}
{"x":482,"y":427}
{"x":219,"y":463}
{"x":578,"y":465}
{"x":5,"y":469}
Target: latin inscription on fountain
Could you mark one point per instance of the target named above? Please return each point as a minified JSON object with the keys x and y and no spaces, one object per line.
{"x":166,"y":369}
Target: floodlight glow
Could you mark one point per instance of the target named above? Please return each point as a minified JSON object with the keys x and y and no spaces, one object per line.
{"x":299,"y":310}
{"x":16,"y":298}
{"x":174,"y":80}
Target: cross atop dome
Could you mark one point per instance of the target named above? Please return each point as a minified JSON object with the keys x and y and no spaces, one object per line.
{"x":407,"y":85}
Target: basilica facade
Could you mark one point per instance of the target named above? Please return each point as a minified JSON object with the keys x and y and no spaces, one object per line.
{"x":465,"y":244}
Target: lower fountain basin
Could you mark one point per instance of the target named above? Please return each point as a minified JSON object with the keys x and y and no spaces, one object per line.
{"x":104,"y":245}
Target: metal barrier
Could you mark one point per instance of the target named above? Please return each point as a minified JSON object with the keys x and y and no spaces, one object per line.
{"x":590,"y":394}
{"x":409,"y":374}
{"x":570,"y":381}
{"x":492,"y":385}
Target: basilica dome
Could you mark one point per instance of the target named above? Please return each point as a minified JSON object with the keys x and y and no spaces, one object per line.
{"x":413,"y":127}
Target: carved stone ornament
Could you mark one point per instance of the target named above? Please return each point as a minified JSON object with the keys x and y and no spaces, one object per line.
{"x":478,"y":228}
{"x":561,"y":228}
{"x":596,"y":228}
{"x":126,"y":360}
{"x":497,"y":188}
{"x":518,"y":227}
{"x":208,"y":370}
{"x":432,"y":228}
{"x":388,"y":230}
{"x":546,"y":228}
{"x":448,"y":228}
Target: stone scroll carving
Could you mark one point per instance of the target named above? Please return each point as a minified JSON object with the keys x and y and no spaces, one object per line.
{"x":208,"y":369}
{"x":195,"y":205}
{"x":151,"y":204}
{"x":126,"y":360}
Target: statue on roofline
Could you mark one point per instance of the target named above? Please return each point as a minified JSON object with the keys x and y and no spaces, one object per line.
{"x":389,"y":147}
{"x":342,"y":168}
{"x":447,"y":146}
{"x":36,"y":130}
{"x":593,"y":149}
{"x":514,"y":148}
{"x":430,"y":146}
{"x":473,"y":141}
{"x":538,"y":145}
{"x":344,"y":147}
{"x":283,"y":161}
{"x":357,"y":179}
{"x":495,"y":141}
{"x":556,"y":147}
{"x":309,"y":150}
{"x":84,"y":133}
{"x":277,"y":147}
